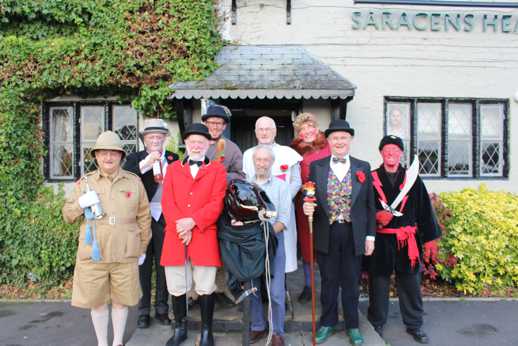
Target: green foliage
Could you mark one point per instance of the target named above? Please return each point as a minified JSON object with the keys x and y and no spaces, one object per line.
{"x":131,"y":48}
{"x":479,"y":253}
{"x":42,"y":248}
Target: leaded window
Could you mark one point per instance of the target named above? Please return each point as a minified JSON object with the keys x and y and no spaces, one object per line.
{"x":71,"y":130}
{"x":454,"y":138}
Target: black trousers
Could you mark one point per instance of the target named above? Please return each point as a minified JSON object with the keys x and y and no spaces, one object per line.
{"x":410,"y":300}
{"x":340,"y":268}
{"x":153,"y":254}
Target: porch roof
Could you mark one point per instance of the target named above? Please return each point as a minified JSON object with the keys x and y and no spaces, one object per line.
{"x":267,"y":71}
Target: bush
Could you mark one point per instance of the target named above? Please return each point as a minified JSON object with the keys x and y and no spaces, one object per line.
{"x":42,"y":250}
{"x":134,"y":49}
{"x":479,"y":251}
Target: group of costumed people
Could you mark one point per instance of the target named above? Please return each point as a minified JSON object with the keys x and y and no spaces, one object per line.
{"x":189,"y":219}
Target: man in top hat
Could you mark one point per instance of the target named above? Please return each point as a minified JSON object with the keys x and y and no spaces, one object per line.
{"x":400,"y":234}
{"x":216,"y":118}
{"x":344,"y":226}
{"x":113,"y":208}
{"x":150,"y":165}
{"x":285,"y":167}
{"x":192,"y":202}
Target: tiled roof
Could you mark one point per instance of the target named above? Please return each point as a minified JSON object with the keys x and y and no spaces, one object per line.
{"x":267,"y":71}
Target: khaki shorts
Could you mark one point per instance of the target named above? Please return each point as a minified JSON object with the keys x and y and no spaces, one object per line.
{"x":96,"y":284}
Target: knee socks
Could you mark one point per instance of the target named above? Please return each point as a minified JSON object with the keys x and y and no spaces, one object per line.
{"x":100,"y":317}
{"x":119,"y":317}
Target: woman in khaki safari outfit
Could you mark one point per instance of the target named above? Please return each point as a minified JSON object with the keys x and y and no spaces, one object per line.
{"x":112,"y":244}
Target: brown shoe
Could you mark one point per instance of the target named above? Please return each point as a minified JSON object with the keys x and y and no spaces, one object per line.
{"x":277,"y":340}
{"x":255,"y":336}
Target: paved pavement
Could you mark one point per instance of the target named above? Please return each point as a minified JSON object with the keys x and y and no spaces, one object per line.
{"x":448,"y":323}
{"x":454,"y":322}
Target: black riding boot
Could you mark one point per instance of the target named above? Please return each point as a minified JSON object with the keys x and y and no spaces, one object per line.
{"x":180,"y":321}
{"x":207,"y":313}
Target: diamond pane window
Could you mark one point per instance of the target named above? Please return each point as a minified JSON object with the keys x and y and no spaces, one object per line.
{"x":125,"y":125}
{"x":460,"y":139}
{"x":491,"y":139}
{"x":92,"y":125}
{"x":72,"y":128}
{"x":398,"y":124}
{"x":429,"y":138}
{"x":61,"y":142}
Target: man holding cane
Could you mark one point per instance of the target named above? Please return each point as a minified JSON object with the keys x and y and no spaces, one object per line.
{"x":344,"y":227}
{"x":192,"y":201}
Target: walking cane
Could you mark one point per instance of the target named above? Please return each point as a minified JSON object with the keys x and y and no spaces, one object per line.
{"x":185,"y":264}
{"x":309,"y":197}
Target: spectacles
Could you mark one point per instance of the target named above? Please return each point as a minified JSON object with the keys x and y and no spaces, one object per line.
{"x":215,"y":123}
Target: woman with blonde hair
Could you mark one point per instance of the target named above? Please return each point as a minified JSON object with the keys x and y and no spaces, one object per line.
{"x":312,"y":144}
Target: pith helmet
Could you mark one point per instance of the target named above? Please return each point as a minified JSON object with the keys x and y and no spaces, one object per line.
{"x":108,"y":140}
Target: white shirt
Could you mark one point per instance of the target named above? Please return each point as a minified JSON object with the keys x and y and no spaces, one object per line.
{"x":194,"y":169}
{"x":155,"y":207}
{"x":340,"y":169}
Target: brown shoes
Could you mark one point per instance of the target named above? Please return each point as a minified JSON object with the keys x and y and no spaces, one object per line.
{"x":277,"y":340}
{"x":255,"y":336}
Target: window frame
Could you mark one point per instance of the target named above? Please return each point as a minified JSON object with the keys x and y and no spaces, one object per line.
{"x":76,"y":124}
{"x":476,"y":133}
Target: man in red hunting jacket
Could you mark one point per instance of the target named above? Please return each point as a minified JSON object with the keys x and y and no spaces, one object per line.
{"x":192,"y":202}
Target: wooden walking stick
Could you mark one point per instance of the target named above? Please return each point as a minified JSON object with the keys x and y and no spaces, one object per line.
{"x":309,"y":197}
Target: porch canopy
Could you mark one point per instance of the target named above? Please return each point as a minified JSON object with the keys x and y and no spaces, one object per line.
{"x":264,"y":72}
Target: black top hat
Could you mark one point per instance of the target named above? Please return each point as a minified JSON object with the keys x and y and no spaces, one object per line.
{"x":217,"y":111}
{"x":196,"y":129}
{"x":391,"y":139}
{"x":339,"y":125}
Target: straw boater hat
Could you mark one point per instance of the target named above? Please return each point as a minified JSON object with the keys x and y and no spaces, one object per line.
{"x":108,"y":140}
{"x":155,"y":125}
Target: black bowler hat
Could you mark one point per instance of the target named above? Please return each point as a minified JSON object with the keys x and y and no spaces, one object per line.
{"x":197,"y":129}
{"x":339,"y":125}
{"x":391,"y":139}
{"x":217,"y":111}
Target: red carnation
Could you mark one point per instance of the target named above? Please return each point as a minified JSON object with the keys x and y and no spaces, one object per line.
{"x":221,"y":159}
{"x":284,"y":167}
{"x":360,"y":176}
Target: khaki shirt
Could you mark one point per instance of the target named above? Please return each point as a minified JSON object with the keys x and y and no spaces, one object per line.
{"x":124,"y":232}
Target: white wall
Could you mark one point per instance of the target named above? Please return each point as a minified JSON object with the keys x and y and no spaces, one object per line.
{"x":393,"y":63}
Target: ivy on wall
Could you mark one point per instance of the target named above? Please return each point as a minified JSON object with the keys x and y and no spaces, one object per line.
{"x":128,"y":48}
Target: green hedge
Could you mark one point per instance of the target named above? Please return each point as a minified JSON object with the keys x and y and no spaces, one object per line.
{"x":128,"y":48}
{"x":479,"y":250}
{"x":42,"y":249}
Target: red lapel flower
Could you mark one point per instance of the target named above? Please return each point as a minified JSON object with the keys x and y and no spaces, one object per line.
{"x":128,"y":194}
{"x":221,"y":159}
{"x":360,"y":176}
{"x":284,"y":168}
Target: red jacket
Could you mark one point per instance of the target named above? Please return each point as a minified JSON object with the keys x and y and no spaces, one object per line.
{"x":200,"y":198}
